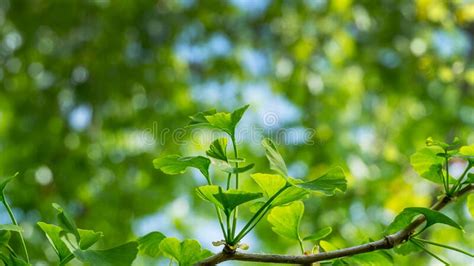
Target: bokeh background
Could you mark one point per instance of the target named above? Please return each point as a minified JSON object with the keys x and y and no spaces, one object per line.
{"x":92,"y":91}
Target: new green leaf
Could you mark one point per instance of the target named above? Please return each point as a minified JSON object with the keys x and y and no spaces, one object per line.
{"x":277,"y":163}
{"x":428,"y":164}
{"x":322,"y":233}
{"x":186,"y":253}
{"x":122,"y":255}
{"x":470,"y":204}
{"x":285,"y":220}
{"x":271,"y":184}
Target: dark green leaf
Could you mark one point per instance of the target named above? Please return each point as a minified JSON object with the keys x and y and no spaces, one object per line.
{"x":404,"y":218}
{"x":66,"y":222}
{"x":328,"y":183}
{"x":232,"y":198}
{"x":218,"y":149}
{"x":4,"y":237}
{"x":149,"y":244}
{"x":186,"y":253}
{"x":122,"y":255}
{"x":176,"y":164}
{"x":4,"y":183}
{"x":277,"y":163}
{"x":319,"y":234}
{"x":200,"y":118}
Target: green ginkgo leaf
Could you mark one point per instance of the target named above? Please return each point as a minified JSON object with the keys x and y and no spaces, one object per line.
{"x":149,"y":244}
{"x":186,"y":253}
{"x":224,"y":121}
{"x":428,"y":164}
{"x":467,"y":150}
{"x":4,"y":183}
{"x":218,"y":149}
{"x":285,"y":220}
{"x":334,"y":180}
{"x":176,"y":164}
{"x":470,"y":204}
{"x":271,"y":184}
{"x":66,"y":222}
{"x":404,"y":218}
{"x":277,"y":163}
{"x":322,"y":233}
{"x":232,"y":198}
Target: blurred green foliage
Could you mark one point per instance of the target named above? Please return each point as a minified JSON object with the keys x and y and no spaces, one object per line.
{"x":92,"y":91}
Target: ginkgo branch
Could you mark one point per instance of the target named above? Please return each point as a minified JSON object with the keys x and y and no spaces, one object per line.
{"x":387,"y":242}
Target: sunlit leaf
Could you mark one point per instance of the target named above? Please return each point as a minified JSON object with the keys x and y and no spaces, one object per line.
{"x":53,"y":235}
{"x":218,"y":149}
{"x":176,"y":164}
{"x":228,"y":168}
{"x":271,"y":184}
{"x":277,"y":163}
{"x":470,"y":204}
{"x":285,"y":220}
{"x":467,"y":150}
{"x":149,"y":244}
{"x":327,"y":246}
{"x":328,"y":183}
{"x":320,"y":234}
{"x":428,"y":164}
{"x":88,"y":238}
{"x":186,"y":253}
{"x":404,"y":218}
{"x":11,"y":227}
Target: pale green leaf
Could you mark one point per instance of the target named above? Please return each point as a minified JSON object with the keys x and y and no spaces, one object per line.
{"x":200,"y":118}
{"x":186,"y":253}
{"x":149,"y":244}
{"x":88,"y":238}
{"x":285,"y":220}
{"x":53,"y":235}
{"x":428,"y":164}
{"x":470,"y":204}
{"x":66,"y":222}
{"x":322,"y":233}
{"x":271,"y":184}
{"x":467,"y":150}
{"x":277,"y":163}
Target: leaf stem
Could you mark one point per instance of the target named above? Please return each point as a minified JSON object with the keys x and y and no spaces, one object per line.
{"x":13,"y":219}
{"x":221,"y":223}
{"x":236,"y":155}
{"x":262,"y":211}
{"x":301,"y":245}
{"x":228,"y":181}
{"x":446,"y":186}
{"x":458,"y":184}
{"x":429,"y":252}
{"x":445,"y":246}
